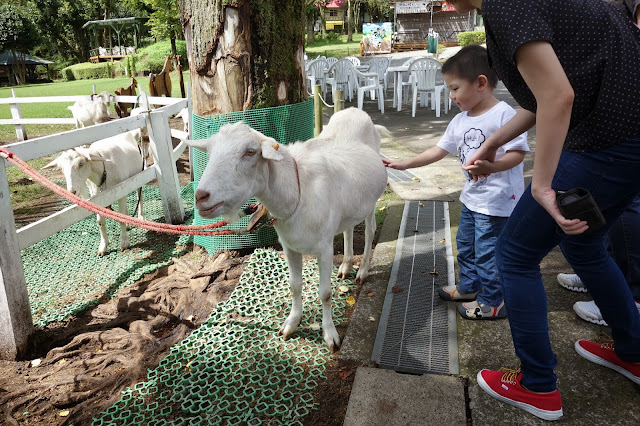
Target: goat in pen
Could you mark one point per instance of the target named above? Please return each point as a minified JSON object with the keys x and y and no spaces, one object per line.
{"x":314,"y":190}
{"x":102,"y":165}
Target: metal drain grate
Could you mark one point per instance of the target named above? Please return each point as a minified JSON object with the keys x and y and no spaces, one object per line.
{"x":417,"y":331}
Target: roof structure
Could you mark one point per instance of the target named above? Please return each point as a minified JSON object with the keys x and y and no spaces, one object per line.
{"x":6,"y":58}
{"x":114,"y":22}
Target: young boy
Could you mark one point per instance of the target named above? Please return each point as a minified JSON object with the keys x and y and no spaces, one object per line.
{"x":488,"y":200}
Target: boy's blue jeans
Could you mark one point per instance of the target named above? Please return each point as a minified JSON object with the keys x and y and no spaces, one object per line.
{"x":476,"y":239}
{"x":612,"y":177}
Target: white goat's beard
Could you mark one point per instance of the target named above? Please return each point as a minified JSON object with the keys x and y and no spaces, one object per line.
{"x":233,"y":216}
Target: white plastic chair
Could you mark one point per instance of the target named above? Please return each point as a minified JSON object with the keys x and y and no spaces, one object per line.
{"x":422,"y":80}
{"x":368,"y":82}
{"x":339,"y":77}
{"x":379,"y":66}
{"x":331,"y":60}
{"x":355,"y":61}
{"x":316,"y":74}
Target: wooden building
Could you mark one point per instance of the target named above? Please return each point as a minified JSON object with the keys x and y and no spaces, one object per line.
{"x":335,"y":15}
{"x":7,"y":62}
{"x":413,"y":19}
{"x":128,"y":32}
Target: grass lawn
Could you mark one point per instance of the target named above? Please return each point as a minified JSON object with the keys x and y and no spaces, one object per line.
{"x":59,"y":109}
{"x":337,"y":49}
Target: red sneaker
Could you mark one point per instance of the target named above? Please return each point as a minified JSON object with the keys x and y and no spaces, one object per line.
{"x":505,"y":386}
{"x":603,"y":354}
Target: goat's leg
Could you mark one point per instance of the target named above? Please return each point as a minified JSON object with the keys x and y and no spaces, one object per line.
{"x":140,"y":214}
{"x":124,"y":237}
{"x":347,"y":260}
{"x":369,"y":232}
{"x":325,"y":267}
{"x":104,"y":239}
{"x":294,"y":261}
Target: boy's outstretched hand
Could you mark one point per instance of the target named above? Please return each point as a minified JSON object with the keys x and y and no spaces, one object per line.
{"x":398,"y":165}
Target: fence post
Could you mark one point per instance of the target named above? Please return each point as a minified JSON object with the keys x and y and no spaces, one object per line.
{"x":338,"y":102}
{"x":162,"y":149}
{"x":16,"y":323}
{"x":317,"y":110}
{"x":16,"y":114}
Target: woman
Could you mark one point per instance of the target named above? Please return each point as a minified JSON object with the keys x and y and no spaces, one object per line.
{"x":574,"y":68}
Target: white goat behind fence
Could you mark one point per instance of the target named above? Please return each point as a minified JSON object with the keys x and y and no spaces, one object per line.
{"x":314,"y":189}
{"x":94,"y":111}
{"x":102,"y":165}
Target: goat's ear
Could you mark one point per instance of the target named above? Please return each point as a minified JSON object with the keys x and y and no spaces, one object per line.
{"x":51,"y":165}
{"x":270,"y":149}
{"x":201,"y":144}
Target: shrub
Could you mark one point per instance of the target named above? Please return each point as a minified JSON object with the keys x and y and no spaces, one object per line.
{"x":471,"y":37}
{"x":87,"y":70}
{"x":151,"y":58}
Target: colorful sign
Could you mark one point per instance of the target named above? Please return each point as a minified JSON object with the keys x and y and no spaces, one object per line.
{"x":403,"y":7}
{"x":447,"y":7}
{"x":376,"y":38}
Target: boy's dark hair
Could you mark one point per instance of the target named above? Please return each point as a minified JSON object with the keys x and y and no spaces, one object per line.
{"x":469,"y":63}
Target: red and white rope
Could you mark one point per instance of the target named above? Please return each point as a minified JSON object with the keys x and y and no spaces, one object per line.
{"x":103,"y":211}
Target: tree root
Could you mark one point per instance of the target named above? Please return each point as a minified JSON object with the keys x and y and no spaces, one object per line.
{"x":87,"y":375}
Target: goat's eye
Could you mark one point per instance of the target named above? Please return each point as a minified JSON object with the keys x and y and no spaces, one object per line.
{"x":81,"y":164}
{"x":250,"y":152}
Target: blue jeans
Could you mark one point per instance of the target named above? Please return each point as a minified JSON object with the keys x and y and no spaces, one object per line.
{"x":476,"y":240}
{"x":624,"y":245}
{"x":611,"y":175}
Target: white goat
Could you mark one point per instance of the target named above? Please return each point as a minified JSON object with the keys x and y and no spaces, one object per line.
{"x":314,"y":189}
{"x":102,"y":165}
{"x":94,"y":111}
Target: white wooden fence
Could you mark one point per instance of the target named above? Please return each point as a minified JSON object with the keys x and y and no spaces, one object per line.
{"x":15,"y":313}
{"x":19,"y":121}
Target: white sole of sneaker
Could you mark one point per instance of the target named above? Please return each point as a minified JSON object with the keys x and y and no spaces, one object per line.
{"x":571,"y":287}
{"x":543,"y":414}
{"x":589,"y":319}
{"x":601,"y":361}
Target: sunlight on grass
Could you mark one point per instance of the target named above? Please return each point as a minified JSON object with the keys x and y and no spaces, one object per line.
{"x":59,"y":109}
{"x":338,"y":49}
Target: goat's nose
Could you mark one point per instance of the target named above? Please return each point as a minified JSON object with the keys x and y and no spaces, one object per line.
{"x":202,"y":195}
{"x":74,"y":192}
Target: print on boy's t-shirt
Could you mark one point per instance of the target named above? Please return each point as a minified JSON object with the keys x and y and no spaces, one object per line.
{"x":473,"y":139}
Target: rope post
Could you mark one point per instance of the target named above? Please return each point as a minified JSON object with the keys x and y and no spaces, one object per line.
{"x":317,"y":110}
{"x":16,"y":114}
{"x":338,"y":102}
{"x":16,"y":323}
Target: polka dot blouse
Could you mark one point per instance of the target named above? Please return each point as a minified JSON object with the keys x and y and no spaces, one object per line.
{"x":599,"y":48}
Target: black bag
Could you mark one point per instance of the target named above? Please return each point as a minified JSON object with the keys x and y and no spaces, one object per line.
{"x":577,"y":203}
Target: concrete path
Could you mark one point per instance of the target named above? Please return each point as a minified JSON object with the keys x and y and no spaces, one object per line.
{"x":592,"y":395}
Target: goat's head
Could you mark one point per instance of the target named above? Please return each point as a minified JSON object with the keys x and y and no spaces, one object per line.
{"x":76,"y":167}
{"x":103,"y":96}
{"x":236,"y":171}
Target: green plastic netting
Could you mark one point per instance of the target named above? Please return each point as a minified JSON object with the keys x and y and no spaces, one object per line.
{"x":235,"y":369}
{"x":286,"y":124}
{"x":64,"y":274}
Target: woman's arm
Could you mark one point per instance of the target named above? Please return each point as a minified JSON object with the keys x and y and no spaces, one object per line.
{"x":543,"y":73}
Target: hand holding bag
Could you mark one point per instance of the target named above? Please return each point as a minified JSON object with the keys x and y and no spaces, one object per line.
{"x":577,"y":203}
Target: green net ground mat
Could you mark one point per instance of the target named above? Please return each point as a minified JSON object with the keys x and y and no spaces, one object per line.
{"x":65,"y":275}
{"x":286,"y":124}
{"x":234,"y":369}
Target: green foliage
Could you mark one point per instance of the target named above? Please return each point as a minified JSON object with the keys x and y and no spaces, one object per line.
{"x":471,"y":37}
{"x":17,"y":29}
{"x":151,"y":58}
{"x":86,"y":71}
{"x":338,"y":49}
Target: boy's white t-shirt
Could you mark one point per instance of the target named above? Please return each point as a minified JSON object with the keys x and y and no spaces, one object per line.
{"x":497,"y":194}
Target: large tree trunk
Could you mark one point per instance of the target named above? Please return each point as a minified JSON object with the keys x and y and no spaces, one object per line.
{"x":244,"y":54}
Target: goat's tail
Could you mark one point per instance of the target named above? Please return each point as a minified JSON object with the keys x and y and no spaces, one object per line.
{"x":383,"y":132}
